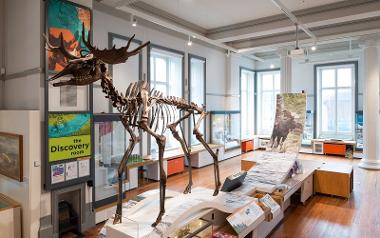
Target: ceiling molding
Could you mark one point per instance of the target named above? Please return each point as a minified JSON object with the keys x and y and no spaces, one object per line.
{"x":335,"y":13}
{"x":148,"y":20}
{"x":144,"y":7}
{"x":285,"y":40}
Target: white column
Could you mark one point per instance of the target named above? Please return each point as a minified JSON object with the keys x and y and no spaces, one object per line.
{"x":371,"y":159}
{"x":286,"y":71}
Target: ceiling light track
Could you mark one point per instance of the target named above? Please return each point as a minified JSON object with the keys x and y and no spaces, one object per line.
{"x":142,"y":15}
{"x":294,"y":19}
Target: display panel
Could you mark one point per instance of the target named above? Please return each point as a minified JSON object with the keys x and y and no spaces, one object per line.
{"x":69,"y":148}
{"x":69,"y":136}
{"x":66,"y":18}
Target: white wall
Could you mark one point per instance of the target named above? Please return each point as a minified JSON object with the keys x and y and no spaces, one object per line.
{"x":22,"y":53}
{"x":27,"y":193}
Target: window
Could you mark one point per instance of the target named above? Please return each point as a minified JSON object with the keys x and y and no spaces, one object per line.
{"x":122,"y":74}
{"x":110,"y":137}
{"x":335,"y":101}
{"x":197,"y":87}
{"x":268,"y":86}
{"x":166,"y":75}
{"x":247,"y":102}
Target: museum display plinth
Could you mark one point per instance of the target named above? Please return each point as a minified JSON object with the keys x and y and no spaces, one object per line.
{"x":334,"y":179}
{"x":182,"y":209}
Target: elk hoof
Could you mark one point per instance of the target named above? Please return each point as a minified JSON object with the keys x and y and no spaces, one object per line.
{"x":187,"y":189}
{"x":117,"y":219}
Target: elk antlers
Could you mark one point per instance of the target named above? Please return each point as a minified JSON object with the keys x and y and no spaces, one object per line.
{"x":108,"y":56}
{"x":113,"y":55}
{"x":60,"y":49}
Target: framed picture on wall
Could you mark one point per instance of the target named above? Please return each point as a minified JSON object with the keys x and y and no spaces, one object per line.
{"x":66,"y":18}
{"x":68,"y":98}
{"x":11,"y":155}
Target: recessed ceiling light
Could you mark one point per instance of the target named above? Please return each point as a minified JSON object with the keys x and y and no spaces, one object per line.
{"x":314,"y":48}
{"x":272,"y":66}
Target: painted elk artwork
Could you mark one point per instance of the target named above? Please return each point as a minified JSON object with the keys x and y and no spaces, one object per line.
{"x":289,"y":122}
{"x":140,"y":108}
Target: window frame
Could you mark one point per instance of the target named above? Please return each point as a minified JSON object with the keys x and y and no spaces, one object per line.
{"x":317,"y":92}
{"x":254,"y":85}
{"x":189,"y":57}
{"x":257,"y":93}
{"x":164,"y":48}
{"x":111,"y":117}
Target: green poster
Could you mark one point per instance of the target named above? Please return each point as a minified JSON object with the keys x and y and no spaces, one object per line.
{"x":69,"y":136}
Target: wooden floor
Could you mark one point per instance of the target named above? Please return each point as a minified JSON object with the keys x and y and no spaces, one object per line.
{"x":322,"y":216}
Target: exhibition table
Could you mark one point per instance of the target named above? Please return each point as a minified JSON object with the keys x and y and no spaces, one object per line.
{"x":181,"y":209}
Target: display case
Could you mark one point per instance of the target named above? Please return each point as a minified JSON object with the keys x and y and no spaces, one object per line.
{"x":225,"y":129}
{"x":359,"y":130}
{"x":197,"y":228}
{"x":308,"y":131}
{"x":111,"y":141}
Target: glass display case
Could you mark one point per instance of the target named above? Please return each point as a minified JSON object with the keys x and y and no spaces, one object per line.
{"x":308,"y":131}
{"x":225,"y":129}
{"x":111,"y":141}
{"x":359,"y":130}
{"x":197,"y":228}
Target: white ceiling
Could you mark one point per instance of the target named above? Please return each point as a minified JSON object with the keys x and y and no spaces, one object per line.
{"x":217,"y":13}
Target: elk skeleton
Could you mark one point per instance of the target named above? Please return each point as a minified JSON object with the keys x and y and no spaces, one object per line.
{"x":139,"y":107}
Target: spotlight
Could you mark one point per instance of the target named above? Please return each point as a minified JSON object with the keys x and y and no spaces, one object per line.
{"x":189,"y":42}
{"x":313,"y":48}
{"x":134,"y":21}
{"x":272,"y":66}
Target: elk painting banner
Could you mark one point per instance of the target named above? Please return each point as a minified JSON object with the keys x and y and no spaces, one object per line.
{"x":67,"y":18}
{"x":289,"y":123}
{"x":69,"y":136}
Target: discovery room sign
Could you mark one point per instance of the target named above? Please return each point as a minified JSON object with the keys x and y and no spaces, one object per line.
{"x":69,"y":136}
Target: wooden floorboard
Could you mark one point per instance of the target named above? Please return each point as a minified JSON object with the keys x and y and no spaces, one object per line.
{"x":322,"y":216}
